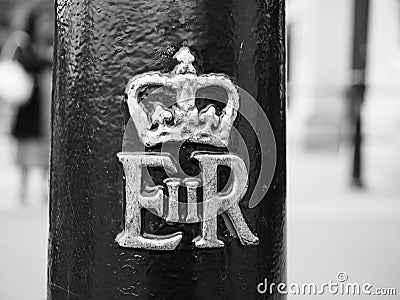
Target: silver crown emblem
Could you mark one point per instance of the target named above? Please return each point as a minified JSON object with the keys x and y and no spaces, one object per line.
{"x":182,"y":120}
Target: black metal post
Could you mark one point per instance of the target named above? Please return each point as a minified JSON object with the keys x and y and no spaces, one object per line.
{"x":357,"y":90}
{"x":99,"y":46}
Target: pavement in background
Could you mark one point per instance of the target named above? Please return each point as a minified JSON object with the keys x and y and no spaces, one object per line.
{"x":23,"y":232}
{"x":331,"y":228}
{"x":23,"y":253}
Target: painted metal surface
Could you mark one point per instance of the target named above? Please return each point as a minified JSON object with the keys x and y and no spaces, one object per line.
{"x":99,"y":46}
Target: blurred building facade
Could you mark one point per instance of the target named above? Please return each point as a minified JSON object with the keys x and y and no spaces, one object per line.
{"x":320,"y":49}
{"x":320,"y":56}
{"x":320,"y":64}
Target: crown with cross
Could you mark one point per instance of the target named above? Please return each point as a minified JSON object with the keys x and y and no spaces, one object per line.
{"x":175,"y":115}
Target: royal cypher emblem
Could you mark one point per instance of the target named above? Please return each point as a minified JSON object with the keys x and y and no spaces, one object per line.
{"x":183,"y":122}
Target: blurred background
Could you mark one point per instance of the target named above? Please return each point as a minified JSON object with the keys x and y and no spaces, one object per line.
{"x":343,"y":145}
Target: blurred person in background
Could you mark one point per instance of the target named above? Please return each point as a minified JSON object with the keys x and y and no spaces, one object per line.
{"x":32,"y":121}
